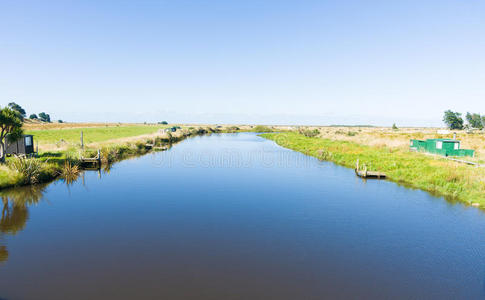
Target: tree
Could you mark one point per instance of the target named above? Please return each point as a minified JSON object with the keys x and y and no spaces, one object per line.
{"x":15,"y":107}
{"x":33,"y":117}
{"x":164,"y":123}
{"x":394,"y":126}
{"x":483,"y":121}
{"x":45,"y":117}
{"x":474,"y":120}
{"x":11,"y":129}
{"x":453,"y":120}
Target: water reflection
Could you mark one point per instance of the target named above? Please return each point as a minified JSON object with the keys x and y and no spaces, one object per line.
{"x":3,"y":253}
{"x":257,"y":222}
{"x":15,"y":212}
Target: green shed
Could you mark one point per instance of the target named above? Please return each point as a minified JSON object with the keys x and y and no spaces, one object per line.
{"x":445,"y":147}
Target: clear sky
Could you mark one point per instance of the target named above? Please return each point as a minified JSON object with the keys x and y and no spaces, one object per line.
{"x":251,"y":61}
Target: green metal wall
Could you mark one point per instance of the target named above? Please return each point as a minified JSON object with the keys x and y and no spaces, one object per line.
{"x":447,"y":149}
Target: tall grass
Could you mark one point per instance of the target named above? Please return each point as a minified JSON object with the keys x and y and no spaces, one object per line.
{"x":30,"y":169}
{"x":70,"y":171}
{"x":438,"y":176}
{"x":9,"y":177}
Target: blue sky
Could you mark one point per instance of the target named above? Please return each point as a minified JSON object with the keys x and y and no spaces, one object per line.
{"x":306,"y":62}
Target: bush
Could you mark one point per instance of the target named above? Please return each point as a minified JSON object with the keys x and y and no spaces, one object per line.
{"x":29,"y":168}
{"x":261,"y":128}
{"x":310,"y":133}
{"x":324,"y":154}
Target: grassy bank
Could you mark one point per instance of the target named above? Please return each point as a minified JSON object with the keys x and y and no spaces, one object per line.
{"x":441,"y":177}
{"x":60,"y":150}
{"x":399,"y":138}
{"x":63,"y":160}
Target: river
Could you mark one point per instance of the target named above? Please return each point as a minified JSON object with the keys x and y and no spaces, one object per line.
{"x":234,"y":216}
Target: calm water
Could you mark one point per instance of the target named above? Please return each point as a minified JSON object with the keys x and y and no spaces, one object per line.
{"x":236,"y":217}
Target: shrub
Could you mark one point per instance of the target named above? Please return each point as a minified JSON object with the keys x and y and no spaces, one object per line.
{"x":261,"y":128}
{"x":310,"y":133}
{"x":324,"y":154}
{"x":29,"y":168}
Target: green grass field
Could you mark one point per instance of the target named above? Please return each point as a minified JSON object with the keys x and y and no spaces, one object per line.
{"x":455,"y":181}
{"x":92,"y":134}
{"x":54,"y":158}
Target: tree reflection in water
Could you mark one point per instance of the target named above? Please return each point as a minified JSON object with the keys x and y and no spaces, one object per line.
{"x":15,"y":213}
{"x":3,"y":253}
{"x":15,"y":206}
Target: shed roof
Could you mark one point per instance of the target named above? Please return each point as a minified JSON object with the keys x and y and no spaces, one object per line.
{"x":444,"y":140}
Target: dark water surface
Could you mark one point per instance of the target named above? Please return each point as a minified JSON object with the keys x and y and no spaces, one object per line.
{"x":236,"y":217}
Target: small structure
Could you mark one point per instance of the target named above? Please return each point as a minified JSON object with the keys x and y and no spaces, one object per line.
{"x":91,"y":162}
{"x":444,"y":147}
{"x":23,"y":146}
{"x":363,"y":173}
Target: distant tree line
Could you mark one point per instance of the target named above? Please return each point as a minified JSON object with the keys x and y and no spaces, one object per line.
{"x":22,"y":114}
{"x":454,"y":120}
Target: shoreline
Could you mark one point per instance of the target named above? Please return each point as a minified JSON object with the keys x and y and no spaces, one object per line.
{"x":414,"y":170}
{"x":59,"y":164}
{"x":55,"y":162}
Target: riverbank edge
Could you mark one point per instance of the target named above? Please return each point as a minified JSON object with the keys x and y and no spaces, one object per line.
{"x":413,"y":170}
{"x":53,"y":163}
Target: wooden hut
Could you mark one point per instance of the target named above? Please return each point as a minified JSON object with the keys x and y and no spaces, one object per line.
{"x":23,"y":146}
